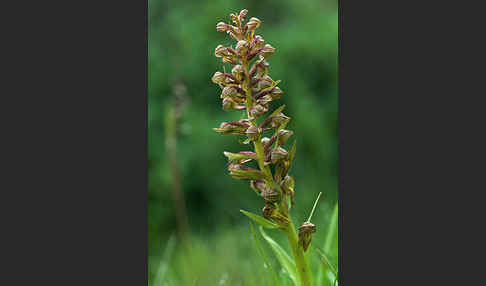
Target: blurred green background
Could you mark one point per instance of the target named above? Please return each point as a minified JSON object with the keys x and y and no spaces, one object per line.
{"x":182,"y":37}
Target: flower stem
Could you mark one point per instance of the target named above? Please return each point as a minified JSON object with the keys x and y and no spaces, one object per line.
{"x":297,"y":251}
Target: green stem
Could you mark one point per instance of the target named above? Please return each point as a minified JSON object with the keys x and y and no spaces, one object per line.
{"x":297,"y":251}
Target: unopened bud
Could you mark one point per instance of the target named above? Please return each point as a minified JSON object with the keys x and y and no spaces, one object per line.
{"x":234,"y":18}
{"x":243,"y":14}
{"x":221,"y":51}
{"x":258,"y":186}
{"x":218,"y":77}
{"x":242,"y":47}
{"x":222,"y":27}
{"x":253,"y":23}
{"x":271,"y":195}
{"x":228,"y":104}
{"x":267,"y":51}
{"x":238,"y":72}
{"x":305,"y":234}
{"x":287,"y":184}
{"x":278,"y":154}
{"x":258,"y":42}
{"x":265,"y":82}
{"x":230,"y":60}
{"x":228,"y":91}
{"x":268,"y":210}
{"x":252,"y":132}
{"x":276,"y":93}
{"x":283,"y":136}
{"x":278,"y":119}
{"x":257,"y":110}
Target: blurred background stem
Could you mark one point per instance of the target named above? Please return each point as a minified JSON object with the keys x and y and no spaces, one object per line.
{"x":174,"y":111}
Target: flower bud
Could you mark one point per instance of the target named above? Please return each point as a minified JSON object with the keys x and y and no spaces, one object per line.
{"x":253,"y":23}
{"x":268,"y":210}
{"x":239,"y":157}
{"x":238,"y":72}
{"x":278,"y":119}
{"x":233,"y":127}
{"x":243,"y":14}
{"x":264,"y":99}
{"x":222,"y":27}
{"x":258,"y":42}
{"x":252,"y":132}
{"x":246,"y":174}
{"x":228,"y":104}
{"x":271,"y":195}
{"x":283,"y":136}
{"x":305,"y":234}
{"x":228,"y":91}
{"x":242,"y":47}
{"x":218,"y":77}
{"x":265,"y":140}
{"x":258,"y":186}
{"x":234,"y":18}
{"x":221,"y":51}
{"x":287,"y":184}
{"x":267,"y":51}
{"x":257,"y":110}
{"x":276,"y":93}
{"x":265,"y":82}
{"x":278,"y":154}
{"x":230,"y":60}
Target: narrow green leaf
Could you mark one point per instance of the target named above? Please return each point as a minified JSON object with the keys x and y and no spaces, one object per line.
{"x":260,"y":220}
{"x":325,"y":259}
{"x":277,"y":111}
{"x":292,"y":151}
{"x":282,"y":256}
{"x":262,"y":254}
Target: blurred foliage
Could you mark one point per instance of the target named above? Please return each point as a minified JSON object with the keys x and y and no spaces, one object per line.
{"x":181,"y":39}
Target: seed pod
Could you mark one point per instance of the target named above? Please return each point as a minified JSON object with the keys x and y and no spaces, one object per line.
{"x":283,"y":136}
{"x":222,"y":27}
{"x":305,"y":234}
{"x":218,"y":77}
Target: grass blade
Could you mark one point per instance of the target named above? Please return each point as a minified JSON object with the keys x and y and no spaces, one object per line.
{"x":164,"y":263}
{"x":260,"y":220}
{"x":262,"y":254}
{"x":282,"y":256}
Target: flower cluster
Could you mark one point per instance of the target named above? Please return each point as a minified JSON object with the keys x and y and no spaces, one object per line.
{"x":249,"y":87}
